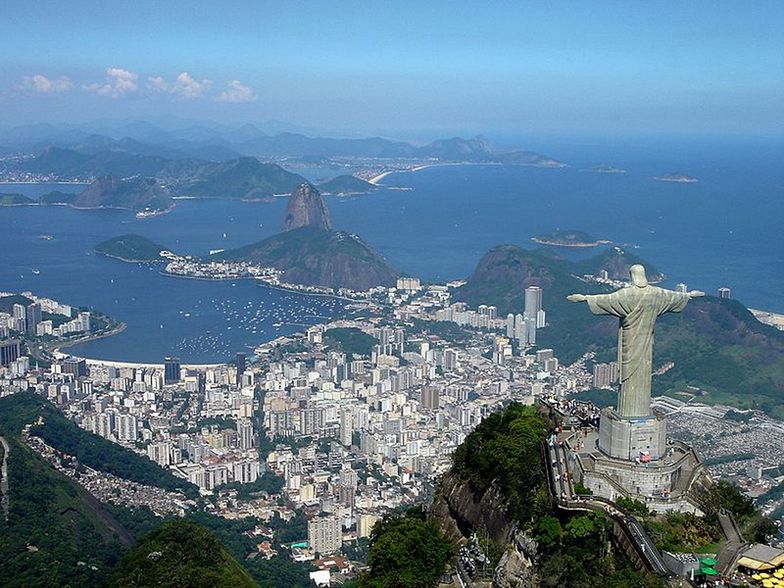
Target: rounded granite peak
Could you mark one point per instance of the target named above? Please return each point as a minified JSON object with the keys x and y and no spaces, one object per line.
{"x":306,"y":208}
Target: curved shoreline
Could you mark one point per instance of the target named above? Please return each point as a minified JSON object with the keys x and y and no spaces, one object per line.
{"x":119,"y":328}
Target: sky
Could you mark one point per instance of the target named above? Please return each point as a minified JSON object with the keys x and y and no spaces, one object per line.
{"x":401,"y":67}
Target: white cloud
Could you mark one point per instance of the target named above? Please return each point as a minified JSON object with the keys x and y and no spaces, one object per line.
{"x":237,"y":92}
{"x":183,"y":86}
{"x":44,"y":85}
{"x":118,"y":83}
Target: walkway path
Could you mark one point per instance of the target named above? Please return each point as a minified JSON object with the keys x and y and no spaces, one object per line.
{"x":4,"y":478}
{"x":562,"y":491}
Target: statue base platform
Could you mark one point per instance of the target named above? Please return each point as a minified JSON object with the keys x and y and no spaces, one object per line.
{"x":632,"y":439}
{"x":663,"y":484}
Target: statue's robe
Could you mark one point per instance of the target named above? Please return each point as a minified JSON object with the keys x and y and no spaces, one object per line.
{"x":637,"y":309}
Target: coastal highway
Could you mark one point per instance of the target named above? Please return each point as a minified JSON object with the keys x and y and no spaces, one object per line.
{"x":561,"y":489}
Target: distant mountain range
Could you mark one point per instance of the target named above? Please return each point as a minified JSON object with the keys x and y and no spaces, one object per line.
{"x":205,"y":162}
{"x":139,"y":148}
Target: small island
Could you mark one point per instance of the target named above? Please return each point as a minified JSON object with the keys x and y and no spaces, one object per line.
{"x":676,"y":177}
{"x":606,"y":169}
{"x":15,"y":200}
{"x":131,"y":248}
{"x":560,"y":238}
{"x":346,"y":185}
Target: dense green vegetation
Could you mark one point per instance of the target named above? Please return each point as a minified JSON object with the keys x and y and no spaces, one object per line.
{"x":682,"y":532}
{"x":57,"y":534}
{"x":268,"y":483}
{"x":180,"y":553}
{"x":278,"y":571}
{"x":350,"y":340}
{"x":130,"y":247}
{"x":447,"y":330}
{"x":685,"y":532}
{"x":575,"y":554}
{"x":406,"y":551}
{"x":7,"y":302}
{"x":91,"y":450}
{"x":505,"y":451}
{"x":719,"y":347}
{"x":245,"y":177}
{"x":319,"y":257}
{"x":753,"y":525}
{"x":601,"y":397}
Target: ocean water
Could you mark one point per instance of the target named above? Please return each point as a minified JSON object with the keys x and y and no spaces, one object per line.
{"x":725,"y":230}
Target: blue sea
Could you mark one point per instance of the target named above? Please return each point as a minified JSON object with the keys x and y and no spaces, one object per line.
{"x":725,"y":230}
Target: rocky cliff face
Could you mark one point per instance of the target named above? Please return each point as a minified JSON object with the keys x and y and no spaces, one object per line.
{"x":306,"y":208}
{"x":460,"y":511}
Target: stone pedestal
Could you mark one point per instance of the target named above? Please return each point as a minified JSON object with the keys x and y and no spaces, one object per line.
{"x":632,"y":438}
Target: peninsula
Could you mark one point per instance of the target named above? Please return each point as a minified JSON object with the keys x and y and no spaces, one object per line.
{"x":131,"y":248}
{"x":310,"y":253}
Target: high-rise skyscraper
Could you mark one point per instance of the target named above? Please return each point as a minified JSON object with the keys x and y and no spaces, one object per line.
{"x":33,"y":317}
{"x":725,"y":292}
{"x":75,"y":366}
{"x":346,"y":425}
{"x":605,"y":374}
{"x":20,"y":318}
{"x":10,"y":350}
{"x":171,"y":370}
{"x":430,"y":398}
{"x":324,"y":534}
{"x":244,"y":434}
{"x":240,"y":367}
{"x":533,"y":306}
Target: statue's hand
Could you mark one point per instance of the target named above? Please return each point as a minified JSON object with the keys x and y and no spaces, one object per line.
{"x":696,"y":293}
{"x":577,"y":298}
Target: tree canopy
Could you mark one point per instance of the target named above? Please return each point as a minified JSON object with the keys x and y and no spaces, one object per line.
{"x":406,"y":551}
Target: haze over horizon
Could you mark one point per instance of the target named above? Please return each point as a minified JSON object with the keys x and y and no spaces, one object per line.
{"x":406,"y":71}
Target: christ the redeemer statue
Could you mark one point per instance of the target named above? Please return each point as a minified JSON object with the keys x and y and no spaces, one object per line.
{"x":637,"y":308}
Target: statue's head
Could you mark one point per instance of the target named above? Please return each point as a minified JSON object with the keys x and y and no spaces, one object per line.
{"x":637,"y":273}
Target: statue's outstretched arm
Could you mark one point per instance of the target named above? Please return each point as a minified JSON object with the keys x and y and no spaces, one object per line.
{"x":696,"y":293}
{"x":577,"y":298}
